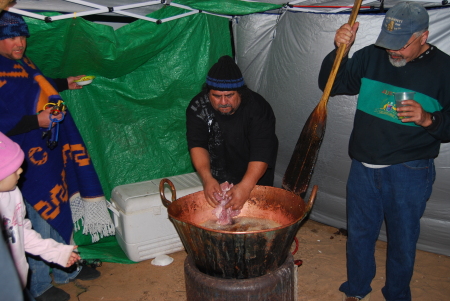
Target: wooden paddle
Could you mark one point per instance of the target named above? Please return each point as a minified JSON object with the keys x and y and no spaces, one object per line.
{"x":300,"y":169}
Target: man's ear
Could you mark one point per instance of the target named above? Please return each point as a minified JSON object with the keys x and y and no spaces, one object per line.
{"x":424,"y":37}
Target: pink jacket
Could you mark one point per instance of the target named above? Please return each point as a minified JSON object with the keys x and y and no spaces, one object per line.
{"x":22,"y":238}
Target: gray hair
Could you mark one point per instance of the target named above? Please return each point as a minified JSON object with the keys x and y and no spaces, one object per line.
{"x":418,"y":33}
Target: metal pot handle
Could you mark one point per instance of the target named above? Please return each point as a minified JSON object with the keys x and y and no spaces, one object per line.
{"x":312,"y":198}
{"x":166,"y":202}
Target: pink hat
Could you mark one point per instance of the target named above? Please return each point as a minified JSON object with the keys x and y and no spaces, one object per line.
{"x":11,"y":156}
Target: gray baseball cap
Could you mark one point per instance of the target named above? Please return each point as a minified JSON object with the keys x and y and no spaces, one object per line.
{"x":400,"y":22}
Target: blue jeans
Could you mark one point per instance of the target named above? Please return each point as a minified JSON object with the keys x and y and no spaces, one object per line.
{"x":398,"y":195}
{"x":39,"y":279}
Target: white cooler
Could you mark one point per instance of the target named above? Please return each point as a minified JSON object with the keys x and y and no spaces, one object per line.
{"x":143,"y":229}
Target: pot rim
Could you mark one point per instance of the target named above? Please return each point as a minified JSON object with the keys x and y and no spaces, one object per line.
{"x":305,"y":210}
{"x":241,"y":232}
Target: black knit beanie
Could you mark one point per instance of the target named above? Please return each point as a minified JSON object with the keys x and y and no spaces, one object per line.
{"x":12,"y":25}
{"x":225,"y":75}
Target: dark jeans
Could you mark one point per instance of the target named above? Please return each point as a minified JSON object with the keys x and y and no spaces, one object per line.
{"x":398,"y":195}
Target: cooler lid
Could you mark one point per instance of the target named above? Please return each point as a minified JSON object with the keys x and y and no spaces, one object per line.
{"x":145,"y":195}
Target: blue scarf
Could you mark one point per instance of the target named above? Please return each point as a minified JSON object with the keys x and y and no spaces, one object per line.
{"x":51,"y":176}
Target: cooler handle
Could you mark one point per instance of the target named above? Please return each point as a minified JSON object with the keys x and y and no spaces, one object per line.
{"x":113,"y":209}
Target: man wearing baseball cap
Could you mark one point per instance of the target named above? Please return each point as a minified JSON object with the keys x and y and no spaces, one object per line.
{"x":392,"y":148}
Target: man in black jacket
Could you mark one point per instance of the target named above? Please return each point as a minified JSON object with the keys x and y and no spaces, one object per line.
{"x":231,"y":135}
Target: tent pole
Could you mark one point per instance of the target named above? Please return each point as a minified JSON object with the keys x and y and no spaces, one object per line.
{"x":136,"y":5}
{"x":87,"y":4}
{"x":120,"y":12}
{"x":80,"y":14}
{"x":26,"y":13}
{"x":180,"y":16}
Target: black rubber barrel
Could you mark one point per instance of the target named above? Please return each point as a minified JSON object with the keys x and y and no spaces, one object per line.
{"x":279,"y":285}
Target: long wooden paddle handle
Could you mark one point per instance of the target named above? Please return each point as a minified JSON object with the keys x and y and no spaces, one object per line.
{"x":339,"y":56}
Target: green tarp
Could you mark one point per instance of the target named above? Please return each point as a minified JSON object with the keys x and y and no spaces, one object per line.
{"x":132,"y":116}
{"x":229,"y":7}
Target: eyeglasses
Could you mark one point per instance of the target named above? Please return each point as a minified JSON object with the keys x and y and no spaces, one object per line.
{"x":407,"y":45}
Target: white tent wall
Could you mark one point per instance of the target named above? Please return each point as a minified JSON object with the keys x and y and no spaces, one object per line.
{"x":280,"y":57}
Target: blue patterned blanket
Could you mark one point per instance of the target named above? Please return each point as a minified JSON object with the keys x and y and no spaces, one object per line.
{"x":51,"y":176}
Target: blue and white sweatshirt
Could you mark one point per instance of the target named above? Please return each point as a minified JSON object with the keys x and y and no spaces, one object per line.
{"x":378,"y":136}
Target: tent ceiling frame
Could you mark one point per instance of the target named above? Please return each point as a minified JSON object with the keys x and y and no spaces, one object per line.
{"x":121,"y":10}
{"x":313,"y":7}
{"x":290,"y":7}
{"x":99,"y":9}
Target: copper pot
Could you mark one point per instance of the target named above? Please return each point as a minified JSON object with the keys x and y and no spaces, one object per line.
{"x":238,"y":255}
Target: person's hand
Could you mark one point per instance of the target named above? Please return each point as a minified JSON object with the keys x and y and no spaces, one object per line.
{"x":346,"y":34}
{"x":44,"y":118}
{"x":239,"y":195}
{"x":74,"y":257}
{"x":71,"y":82}
{"x":210,"y":187}
{"x":413,"y":112}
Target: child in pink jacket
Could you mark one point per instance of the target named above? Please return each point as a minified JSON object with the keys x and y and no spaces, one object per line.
{"x":19,"y":235}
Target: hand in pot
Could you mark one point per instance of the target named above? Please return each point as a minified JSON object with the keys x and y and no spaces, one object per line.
{"x":210,"y":187}
{"x":239,"y":195}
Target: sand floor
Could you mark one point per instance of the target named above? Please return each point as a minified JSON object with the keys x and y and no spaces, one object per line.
{"x":321,"y":248}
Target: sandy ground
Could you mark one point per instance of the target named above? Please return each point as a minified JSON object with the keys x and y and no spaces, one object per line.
{"x":321,"y":248}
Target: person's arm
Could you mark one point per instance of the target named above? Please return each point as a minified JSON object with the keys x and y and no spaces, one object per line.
{"x":69,"y":83}
{"x":72,"y":84}
{"x":240,"y":192}
{"x":32,"y":122}
{"x":48,"y":249}
{"x":61,"y":84}
{"x":200,"y":160}
{"x":25,"y":125}
{"x":345,"y":34}
{"x":197,"y":133}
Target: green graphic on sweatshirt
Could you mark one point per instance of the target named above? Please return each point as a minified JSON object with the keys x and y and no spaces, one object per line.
{"x":377,"y":99}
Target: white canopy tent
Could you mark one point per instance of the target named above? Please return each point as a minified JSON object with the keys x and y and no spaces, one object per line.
{"x":140,"y":8}
{"x":280,"y":53}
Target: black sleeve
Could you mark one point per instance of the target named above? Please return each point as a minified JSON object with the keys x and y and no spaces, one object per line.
{"x":26,"y":124}
{"x":348,"y":77}
{"x":61,"y":84}
{"x":30,"y":122}
{"x":197,"y":132}
{"x":263,"y":140}
{"x":325,"y":69}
